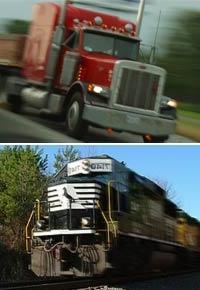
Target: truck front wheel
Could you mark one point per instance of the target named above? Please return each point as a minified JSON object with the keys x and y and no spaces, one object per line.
{"x":75,"y":126}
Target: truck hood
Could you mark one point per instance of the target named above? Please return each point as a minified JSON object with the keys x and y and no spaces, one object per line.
{"x":98,"y":68}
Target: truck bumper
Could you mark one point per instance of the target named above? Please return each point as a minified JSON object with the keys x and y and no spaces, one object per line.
{"x":128,"y":121}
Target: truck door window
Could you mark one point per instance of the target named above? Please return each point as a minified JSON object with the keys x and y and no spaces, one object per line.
{"x":72,"y":40}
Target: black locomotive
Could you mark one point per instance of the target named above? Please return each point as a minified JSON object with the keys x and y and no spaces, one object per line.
{"x":98,"y":216}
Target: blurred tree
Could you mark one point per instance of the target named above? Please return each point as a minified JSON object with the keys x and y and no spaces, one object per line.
{"x":182,"y":60}
{"x":171,"y":193}
{"x":64,"y":156}
{"x":17,"y":26}
{"x":22,"y":180}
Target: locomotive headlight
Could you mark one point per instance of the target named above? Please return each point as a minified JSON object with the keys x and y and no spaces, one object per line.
{"x":85,"y":222}
{"x":40,"y":224}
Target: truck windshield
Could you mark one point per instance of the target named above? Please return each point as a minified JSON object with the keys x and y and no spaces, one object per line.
{"x":119,"y":46}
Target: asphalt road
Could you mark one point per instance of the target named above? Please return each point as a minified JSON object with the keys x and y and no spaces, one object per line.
{"x":17,"y":129}
{"x":94,"y":135}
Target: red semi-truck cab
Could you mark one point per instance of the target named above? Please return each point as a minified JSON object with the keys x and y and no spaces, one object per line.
{"x":83,"y":66}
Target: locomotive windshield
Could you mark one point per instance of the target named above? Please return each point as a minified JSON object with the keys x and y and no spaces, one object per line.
{"x":94,"y":176}
{"x":118,"y":46}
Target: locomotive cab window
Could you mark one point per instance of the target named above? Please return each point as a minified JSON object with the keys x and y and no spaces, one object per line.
{"x":124,"y":203}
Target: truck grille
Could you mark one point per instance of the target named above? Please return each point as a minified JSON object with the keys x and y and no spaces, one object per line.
{"x":138,"y":89}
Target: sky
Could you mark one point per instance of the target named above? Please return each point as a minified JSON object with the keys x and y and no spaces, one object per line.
{"x":169,"y":9}
{"x":178,"y":166}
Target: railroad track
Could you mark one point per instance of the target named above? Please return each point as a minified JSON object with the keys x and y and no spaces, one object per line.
{"x":85,"y":283}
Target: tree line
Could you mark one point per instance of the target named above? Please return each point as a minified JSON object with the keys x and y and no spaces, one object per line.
{"x":23,"y":178}
{"x":182,"y":58}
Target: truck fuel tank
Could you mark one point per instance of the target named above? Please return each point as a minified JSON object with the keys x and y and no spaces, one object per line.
{"x":34,"y":97}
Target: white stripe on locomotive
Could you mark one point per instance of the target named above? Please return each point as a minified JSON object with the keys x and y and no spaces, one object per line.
{"x":74,"y":196}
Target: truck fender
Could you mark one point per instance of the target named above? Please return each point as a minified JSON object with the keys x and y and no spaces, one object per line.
{"x":76,"y":86}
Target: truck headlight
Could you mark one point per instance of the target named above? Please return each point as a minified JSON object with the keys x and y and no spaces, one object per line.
{"x":172,"y":103}
{"x":168,"y":107}
{"x":168,"y":102}
{"x":98,"y":90}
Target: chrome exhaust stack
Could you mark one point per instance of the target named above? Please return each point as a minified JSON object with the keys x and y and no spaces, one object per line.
{"x":140,"y":17}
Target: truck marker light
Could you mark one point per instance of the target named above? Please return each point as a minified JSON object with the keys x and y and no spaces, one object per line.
{"x":85,"y":22}
{"x":76,"y":21}
{"x":128,"y":27}
{"x":110,"y":130}
{"x":104,"y":26}
{"x":121,"y":30}
{"x":90,"y":88}
{"x":98,"y":20}
{"x":114,"y":28}
{"x":79,"y":75}
{"x":148,"y":138}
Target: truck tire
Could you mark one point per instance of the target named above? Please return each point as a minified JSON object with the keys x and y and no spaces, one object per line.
{"x":75,"y":126}
{"x":15,"y":102}
{"x":155,"y":139}
{"x":14,"y":86}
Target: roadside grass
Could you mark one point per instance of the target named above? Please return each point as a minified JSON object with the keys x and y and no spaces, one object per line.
{"x":188,"y":123}
{"x":189,"y":130}
{"x":195,"y":108}
{"x":189,"y":114}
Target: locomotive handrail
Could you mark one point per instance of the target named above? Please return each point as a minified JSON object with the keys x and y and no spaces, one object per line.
{"x":38,"y":208}
{"x":29,"y":237}
{"x":109,"y":206}
{"x":107,"y":223}
{"x":35,"y":212}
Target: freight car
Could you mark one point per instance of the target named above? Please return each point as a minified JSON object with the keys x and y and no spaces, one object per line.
{"x":98,"y":216}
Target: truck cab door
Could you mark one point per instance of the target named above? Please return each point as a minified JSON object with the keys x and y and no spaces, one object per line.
{"x":70,"y":60}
